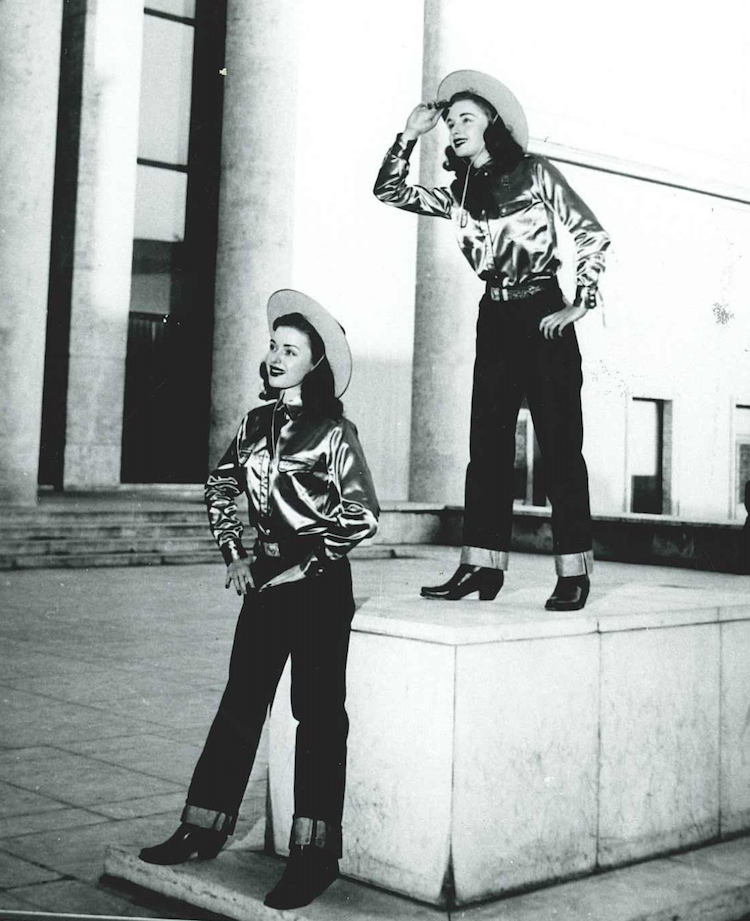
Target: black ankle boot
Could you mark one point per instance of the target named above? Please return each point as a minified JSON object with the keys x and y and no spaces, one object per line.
{"x":309,"y":871}
{"x":570,"y":594}
{"x":186,"y":841}
{"x":465,"y":580}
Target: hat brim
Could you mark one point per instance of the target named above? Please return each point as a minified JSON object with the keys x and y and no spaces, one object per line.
{"x":339,"y":356}
{"x":495,"y":92}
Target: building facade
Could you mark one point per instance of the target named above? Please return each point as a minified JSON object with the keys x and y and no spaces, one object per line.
{"x":166,"y":166}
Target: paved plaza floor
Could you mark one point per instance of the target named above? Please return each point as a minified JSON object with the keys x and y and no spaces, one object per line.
{"x":109,"y":679}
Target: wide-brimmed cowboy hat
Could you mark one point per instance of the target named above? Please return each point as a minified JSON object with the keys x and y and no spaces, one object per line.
{"x":495,"y":92}
{"x":286,"y":301}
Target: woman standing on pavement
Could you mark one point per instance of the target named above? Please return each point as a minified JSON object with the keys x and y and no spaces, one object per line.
{"x":503,"y":204}
{"x":311,"y":499}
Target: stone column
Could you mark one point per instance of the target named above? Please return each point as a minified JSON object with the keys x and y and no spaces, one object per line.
{"x":255,"y":252}
{"x":445,"y":316}
{"x":29,"y":78}
{"x":103,"y":242}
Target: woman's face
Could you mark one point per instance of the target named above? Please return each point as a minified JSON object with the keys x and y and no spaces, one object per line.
{"x":289,"y":358}
{"x":466,"y":123}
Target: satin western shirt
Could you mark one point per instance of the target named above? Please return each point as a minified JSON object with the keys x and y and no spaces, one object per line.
{"x":522,"y":241}
{"x":306,"y":480}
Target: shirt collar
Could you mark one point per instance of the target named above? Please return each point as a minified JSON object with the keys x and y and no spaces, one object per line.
{"x":289,"y":411}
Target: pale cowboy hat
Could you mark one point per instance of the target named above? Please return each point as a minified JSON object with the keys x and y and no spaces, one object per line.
{"x":286,"y":301}
{"x":495,"y":92}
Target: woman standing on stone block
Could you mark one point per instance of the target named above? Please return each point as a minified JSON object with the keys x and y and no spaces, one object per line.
{"x":503,"y":204}
{"x":311,"y":499}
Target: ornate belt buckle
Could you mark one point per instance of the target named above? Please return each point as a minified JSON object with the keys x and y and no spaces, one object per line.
{"x":496,"y":294}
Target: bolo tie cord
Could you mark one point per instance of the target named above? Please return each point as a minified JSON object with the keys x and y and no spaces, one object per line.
{"x":465,"y":217}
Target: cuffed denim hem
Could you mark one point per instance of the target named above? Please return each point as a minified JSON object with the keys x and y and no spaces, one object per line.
{"x":315,"y":832}
{"x":208,"y":818}
{"x":574,"y":564}
{"x":482,"y":556}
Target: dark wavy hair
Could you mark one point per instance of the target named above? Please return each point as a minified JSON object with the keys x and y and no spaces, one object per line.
{"x":505,"y":155}
{"x":318,"y":390}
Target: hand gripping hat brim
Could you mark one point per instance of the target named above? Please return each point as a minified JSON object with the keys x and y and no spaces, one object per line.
{"x":495,"y":92}
{"x":286,"y":301}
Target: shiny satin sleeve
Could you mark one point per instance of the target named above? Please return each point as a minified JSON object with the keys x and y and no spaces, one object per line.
{"x":392,"y":188}
{"x":357,"y":511}
{"x":591,"y":240}
{"x":224,"y":484}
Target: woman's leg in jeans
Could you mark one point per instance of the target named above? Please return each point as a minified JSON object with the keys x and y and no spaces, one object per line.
{"x":319,"y":654}
{"x":496,"y":399}
{"x":554,"y":394}
{"x":261,"y":646}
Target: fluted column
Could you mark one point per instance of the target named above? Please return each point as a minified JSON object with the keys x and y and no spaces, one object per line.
{"x":29,"y":79}
{"x":103,"y":251}
{"x":445,"y":316}
{"x":256,"y":199}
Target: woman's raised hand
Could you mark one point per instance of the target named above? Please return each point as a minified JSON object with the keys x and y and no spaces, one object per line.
{"x":422,"y":119}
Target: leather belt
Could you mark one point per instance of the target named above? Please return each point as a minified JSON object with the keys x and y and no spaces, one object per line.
{"x":519,"y":292}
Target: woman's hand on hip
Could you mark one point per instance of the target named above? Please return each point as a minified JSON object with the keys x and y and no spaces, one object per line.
{"x":422,"y":119}
{"x":240,"y":576}
{"x":554,"y":323}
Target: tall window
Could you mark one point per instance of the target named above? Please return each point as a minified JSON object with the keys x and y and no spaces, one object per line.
{"x":742,"y":458}
{"x":167,"y":380}
{"x":163,"y":142}
{"x":649,"y":455}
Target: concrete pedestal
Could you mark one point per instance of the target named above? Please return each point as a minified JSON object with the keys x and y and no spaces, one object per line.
{"x":496,"y":747}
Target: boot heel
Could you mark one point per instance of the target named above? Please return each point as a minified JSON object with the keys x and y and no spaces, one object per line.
{"x":489,"y":592}
{"x":208,"y":849}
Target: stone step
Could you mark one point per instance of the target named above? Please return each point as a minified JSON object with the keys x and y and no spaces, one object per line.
{"x":14,"y":536}
{"x":139,"y":541}
{"x":654,"y":539}
{"x":10,"y":537}
{"x":96,"y":560}
{"x":114,"y":534}
{"x":710,"y":884}
{"x":90,"y":558}
{"x":83,"y":517}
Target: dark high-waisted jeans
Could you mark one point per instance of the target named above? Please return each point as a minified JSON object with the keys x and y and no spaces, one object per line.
{"x":514,"y":359}
{"x":309,"y":620}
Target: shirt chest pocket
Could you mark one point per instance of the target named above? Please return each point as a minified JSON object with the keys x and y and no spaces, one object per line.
{"x":303,"y":463}
{"x":508,"y":208}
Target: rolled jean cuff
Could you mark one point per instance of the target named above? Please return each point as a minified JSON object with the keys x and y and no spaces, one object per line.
{"x":574,"y":564}
{"x":482,"y":556}
{"x":308,"y":832}
{"x":208,"y":818}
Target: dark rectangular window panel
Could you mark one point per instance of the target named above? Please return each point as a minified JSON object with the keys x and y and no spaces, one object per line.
{"x":651,"y":456}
